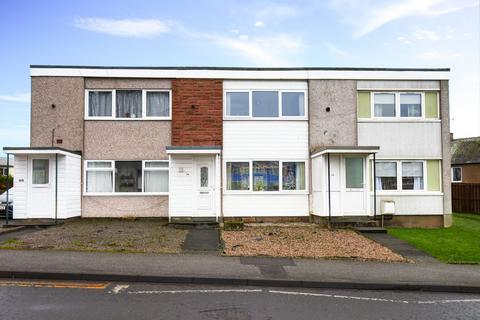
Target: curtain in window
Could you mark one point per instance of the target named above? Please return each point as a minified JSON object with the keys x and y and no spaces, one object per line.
{"x":293,"y":176}
{"x":238,"y":176}
{"x":158,"y":104}
{"x":265,"y":176}
{"x":156,"y":181}
{"x":412,"y":175}
{"x":411,"y":105}
{"x":386,"y":175}
{"x":100,"y":104}
{"x":129,"y":103}
{"x":128,"y":176}
{"x":293,"y":104}
{"x":99,"y":181}
{"x":40,"y":172}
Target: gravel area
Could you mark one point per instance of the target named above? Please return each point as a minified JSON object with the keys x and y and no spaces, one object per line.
{"x":112,"y":235}
{"x":306,"y":241}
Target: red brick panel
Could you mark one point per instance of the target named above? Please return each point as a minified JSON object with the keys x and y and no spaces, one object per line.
{"x":197,"y":112}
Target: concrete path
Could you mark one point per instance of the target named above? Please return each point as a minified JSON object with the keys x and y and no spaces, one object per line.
{"x":197,"y":268}
{"x":202,"y":239}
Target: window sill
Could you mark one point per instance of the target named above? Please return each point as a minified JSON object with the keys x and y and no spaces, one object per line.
{"x":128,"y":119}
{"x":265,"y":119}
{"x":398,"y":120}
{"x":125,"y":194}
{"x":247,"y":192}
{"x":407,"y":193}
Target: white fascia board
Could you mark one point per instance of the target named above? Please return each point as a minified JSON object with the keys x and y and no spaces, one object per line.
{"x":343,"y":151}
{"x":241,"y":74}
{"x":46,"y":152}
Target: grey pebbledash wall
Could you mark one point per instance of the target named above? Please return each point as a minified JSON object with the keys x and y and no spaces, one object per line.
{"x":337,"y":127}
{"x":57,"y":103}
{"x":446,"y":157}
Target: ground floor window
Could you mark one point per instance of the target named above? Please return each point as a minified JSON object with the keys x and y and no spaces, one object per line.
{"x":126,"y":176}
{"x":456,"y":174}
{"x":272,"y":175}
{"x":400,"y":175}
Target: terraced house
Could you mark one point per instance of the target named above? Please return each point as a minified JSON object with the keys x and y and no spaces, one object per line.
{"x":263,"y":144}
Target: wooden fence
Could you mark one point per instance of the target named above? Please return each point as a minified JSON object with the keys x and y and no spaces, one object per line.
{"x":466,"y":197}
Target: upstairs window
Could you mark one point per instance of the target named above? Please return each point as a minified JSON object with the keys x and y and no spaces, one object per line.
{"x":384,"y":104}
{"x":100,"y":103}
{"x":128,"y":104}
{"x":410,"y":105}
{"x":261,"y":104}
{"x":238,"y":104}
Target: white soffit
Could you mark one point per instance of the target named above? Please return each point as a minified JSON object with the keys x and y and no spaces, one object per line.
{"x":234,"y":74}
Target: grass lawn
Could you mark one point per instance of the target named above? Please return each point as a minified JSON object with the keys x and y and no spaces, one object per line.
{"x":457,"y":244}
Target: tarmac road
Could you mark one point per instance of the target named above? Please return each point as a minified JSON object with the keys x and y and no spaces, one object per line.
{"x":21,"y":299}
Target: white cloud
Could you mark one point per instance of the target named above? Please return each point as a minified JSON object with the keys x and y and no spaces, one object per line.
{"x":18,"y":97}
{"x":275,"y":13}
{"x":259,"y":24}
{"x":439,"y":55}
{"x":422,"y":34}
{"x":236,"y":31}
{"x":275,"y":50}
{"x":367,"y":16}
{"x":243,"y":37}
{"x":142,"y":28}
{"x":404,"y":40}
{"x":334,"y":49}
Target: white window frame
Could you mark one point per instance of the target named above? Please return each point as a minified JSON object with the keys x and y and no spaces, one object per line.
{"x":279,"y":116}
{"x":112,"y":169}
{"x":461,"y":175}
{"x":399,"y":176}
{"x":280,"y":177}
{"x":397,"y":105}
{"x":114,"y":105}
{"x":167,"y":168}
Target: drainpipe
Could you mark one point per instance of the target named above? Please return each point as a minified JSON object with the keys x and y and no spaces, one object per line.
{"x":56,"y":186}
{"x":8,"y":187}
{"x":374,"y":189}
{"x":329,"y":197}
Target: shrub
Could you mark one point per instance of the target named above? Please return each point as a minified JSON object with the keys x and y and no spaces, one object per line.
{"x":3,"y":183}
{"x":233,"y":225}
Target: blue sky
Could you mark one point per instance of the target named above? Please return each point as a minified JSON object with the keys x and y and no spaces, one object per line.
{"x":410,"y":33}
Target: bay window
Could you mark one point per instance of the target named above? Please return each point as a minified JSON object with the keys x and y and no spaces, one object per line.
{"x":125,"y":177}
{"x":128,"y":104}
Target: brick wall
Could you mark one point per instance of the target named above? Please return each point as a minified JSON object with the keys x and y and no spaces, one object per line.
{"x":197,"y":112}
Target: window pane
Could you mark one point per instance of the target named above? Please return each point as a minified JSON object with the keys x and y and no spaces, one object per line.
{"x":293,"y":104}
{"x":99,"y":164}
{"x":128,"y":176}
{"x":204,"y":177}
{"x":411,"y":105}
{"x":456,"y":174}
{"x":155,"y":164}
{"x":158,"y":104}
{"x":293,"y":175}
{"x":412,"y":175}
{"x":99,"y":181}
{"x":386,"y":175}
{"x":156,"y":181}
{"x":129,"y":103}
{"x":265,"y":176}
{"x":354,"y":173}
{"x":237,"y":104}
{"x":99,"y":104}
{"x":238,"y":176}
{"x":384,"y":104}
{"x":265,"y":104}
{"x":40,"y":171}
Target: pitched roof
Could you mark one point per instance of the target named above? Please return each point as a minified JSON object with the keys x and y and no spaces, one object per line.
{"x":466,"y":150}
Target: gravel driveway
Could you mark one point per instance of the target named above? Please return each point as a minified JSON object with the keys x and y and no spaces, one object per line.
{"x":113,"y":235}
{"x":307,"y":241}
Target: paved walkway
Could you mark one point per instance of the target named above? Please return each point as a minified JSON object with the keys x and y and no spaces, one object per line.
{"x":202,"y":239}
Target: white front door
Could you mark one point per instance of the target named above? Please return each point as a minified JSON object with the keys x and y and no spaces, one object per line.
{"x":354,"y":186}
{"x":41,"y":184}
{"x":205,"y":187}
